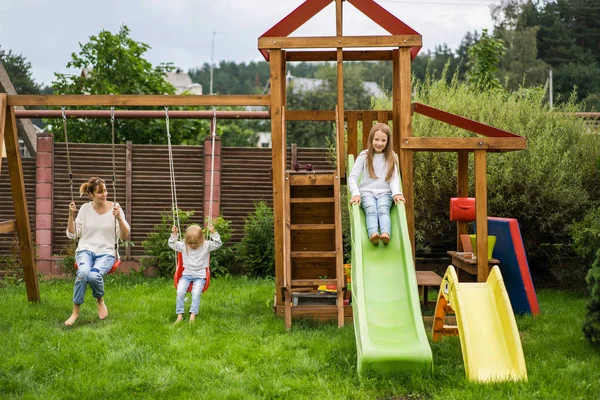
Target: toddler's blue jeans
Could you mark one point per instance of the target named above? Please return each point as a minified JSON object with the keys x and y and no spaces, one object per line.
{"x":91,"y":269}
{"x":182,"y":286}
{"x":377,"y":210}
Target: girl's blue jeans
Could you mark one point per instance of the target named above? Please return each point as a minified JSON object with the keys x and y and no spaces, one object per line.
{"x":377,"y":210}
{"x":91,"y":269}
{"x":182,"y":286}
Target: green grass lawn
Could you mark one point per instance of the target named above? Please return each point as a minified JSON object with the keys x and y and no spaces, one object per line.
{"x":238,"y":349}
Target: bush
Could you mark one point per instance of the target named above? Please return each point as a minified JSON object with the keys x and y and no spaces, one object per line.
{"x":591,"y":324}
{"x":223,"y":260}
{"x":257,"y":248}
{"x":586,"y":236}
{"x":551,"y":183}
{"x":67,"y":263}
{"x":156,"y":243}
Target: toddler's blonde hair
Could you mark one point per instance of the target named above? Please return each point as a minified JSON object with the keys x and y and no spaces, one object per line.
{"x":193,"y":236}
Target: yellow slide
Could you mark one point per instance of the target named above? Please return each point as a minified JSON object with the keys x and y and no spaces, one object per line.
{"x":486,"y":324}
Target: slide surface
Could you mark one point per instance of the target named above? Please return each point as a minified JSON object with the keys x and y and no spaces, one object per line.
{"x":489,"y":337}
{"x":510,"y":251}
{"x":390,"y":336}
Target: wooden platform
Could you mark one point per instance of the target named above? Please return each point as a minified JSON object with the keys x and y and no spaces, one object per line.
{"x":425,"y":280}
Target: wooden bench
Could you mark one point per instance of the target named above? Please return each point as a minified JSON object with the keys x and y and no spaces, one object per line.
{"x":426,"y":279}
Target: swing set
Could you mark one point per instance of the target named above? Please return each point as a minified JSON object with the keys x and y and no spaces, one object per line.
{"x":306,"y":205}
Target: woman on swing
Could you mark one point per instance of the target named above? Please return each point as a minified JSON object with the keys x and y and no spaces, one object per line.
{"x":96,"y":229}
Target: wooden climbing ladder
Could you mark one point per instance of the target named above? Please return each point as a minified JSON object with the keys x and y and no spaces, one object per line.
{"x":313,"y":253}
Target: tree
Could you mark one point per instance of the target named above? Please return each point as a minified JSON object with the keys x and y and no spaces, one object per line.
{"x":115,"y":64}
{"x":19,"y":72}
{"x":484,"y":57}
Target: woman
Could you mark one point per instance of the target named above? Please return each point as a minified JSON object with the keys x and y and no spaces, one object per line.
{"x":95,"y":228}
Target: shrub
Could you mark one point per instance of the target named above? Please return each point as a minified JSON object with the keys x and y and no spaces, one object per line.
{"x":545,"y":187}
{"x":257,"y":248}
{"x":223,"y":260}
{"x":591,"y":324}
{"x":67,"y":263}
{"x":156,"y":243}
{"x":586,"y":236}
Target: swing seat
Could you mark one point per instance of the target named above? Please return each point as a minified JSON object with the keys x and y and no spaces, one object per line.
{"x":179,"y":272}
{"x":113,"y":268}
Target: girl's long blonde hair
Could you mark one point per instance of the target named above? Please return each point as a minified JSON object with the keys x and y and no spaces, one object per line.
{"x":193,"y":235}
{"x":388,"y":153}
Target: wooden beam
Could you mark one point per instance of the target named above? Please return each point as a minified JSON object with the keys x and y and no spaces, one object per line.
{"x":138,"y":100}
{"x":329,"y":115}
{"x":396,"y":101}
{"x":461,"y":122}
{"x":457,"y":144}
{"x":404,"y":41}
{"x":483,"y":269}
{"x":340,"y":125}
{"x":8,"y":226}
{"x":462,"y":190}
{"x":352,"y":135}
{"x":128,"y":186}
{"x":349,"y":55}
{"x":3,"y":109}
{"x":406,"y":155}
{"x":278,"y":165}
{"x":24,"y":126}
{"x":17,"y":186}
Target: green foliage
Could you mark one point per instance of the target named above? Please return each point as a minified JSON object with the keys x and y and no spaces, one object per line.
{"x":586,"y":236}
{"x":19,"y":72}
{"x":548,"y":185}
{"x":257,"y":248}
{"x":223,"y":260}
{"x":591,"y":324}
{"x":11,"y":265}
{"x":482,"y":65}
{"x":67,"y":262}
{"x":156,"y":243}
{"x":115,"y":64}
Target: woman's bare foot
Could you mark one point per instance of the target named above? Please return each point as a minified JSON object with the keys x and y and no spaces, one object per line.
{"x":74,"y":315}
{"x":374,"y":238}
{"x":72,"y":319}
{"x":102,"y":310}
{"x":385,"y":238}
{"x":192,"y":318}
{"x":179,"y":319}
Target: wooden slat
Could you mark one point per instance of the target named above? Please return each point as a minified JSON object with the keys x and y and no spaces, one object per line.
{"x":483,"y":268}
{"x":310,"y":227}
{"x":305,"y":200}
{"x":462,"y":190}
{"x":367,"y":124}
{"x":8,"y":226}
{"x":310,"y":179}
{"x":339,"y":249}
{"x":457,"y":144}
{"x":316,"y":42}
{"x":351,"y":55}
{"x":313,"y":282}
{"x":352,"y":138}
{"x":313,"y":254}
{"x":138,"y":100}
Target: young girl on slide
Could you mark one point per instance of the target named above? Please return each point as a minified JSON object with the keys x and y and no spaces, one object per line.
{"x":379,"y":185}
{"x":195,"y":251}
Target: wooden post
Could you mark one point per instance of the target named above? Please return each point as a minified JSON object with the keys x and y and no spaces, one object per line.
{"x":483,"y":269}
{"x":406,"y":156}
{"x":396,"y":100}
{"x":462,"y":190}
{"x":17,"y":186}
{"x":128,"y":184}
{"x":352,"y":133}
{"x":278,"y":164}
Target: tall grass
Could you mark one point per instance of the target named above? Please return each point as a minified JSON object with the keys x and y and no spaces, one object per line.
{"x":238,"y":349}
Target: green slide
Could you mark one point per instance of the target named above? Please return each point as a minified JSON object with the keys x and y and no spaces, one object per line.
{"x":390,"y":336}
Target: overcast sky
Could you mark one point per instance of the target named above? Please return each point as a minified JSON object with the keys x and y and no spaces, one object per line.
{"x":46,"y":32}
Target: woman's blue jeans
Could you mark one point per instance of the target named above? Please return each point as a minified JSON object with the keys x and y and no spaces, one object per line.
{"x":182,"y":286}
{"x":377,"y":210}
{"x":91,"y":269}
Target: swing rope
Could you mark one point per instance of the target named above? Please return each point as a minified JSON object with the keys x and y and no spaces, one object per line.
{"x":212,"y":169}
{"x":114,"y":180}
{"x":174,"y":206}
